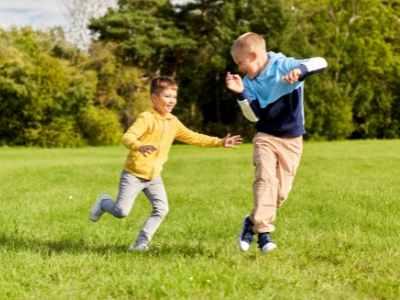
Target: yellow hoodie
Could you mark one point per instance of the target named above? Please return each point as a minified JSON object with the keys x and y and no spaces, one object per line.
{"x":151,"y":128}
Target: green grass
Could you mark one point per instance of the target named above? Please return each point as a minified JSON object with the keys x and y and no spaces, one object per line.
{"x":337,"y":234}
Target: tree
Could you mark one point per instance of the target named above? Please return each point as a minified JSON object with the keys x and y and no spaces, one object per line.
{"x":358,"y":38}
{"x":192,"y":43}
{"x":146,"y":34}
{"x":80,"y":12}
{"x":53,"y":95}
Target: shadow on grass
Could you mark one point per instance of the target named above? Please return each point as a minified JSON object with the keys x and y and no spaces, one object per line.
{"x":48,"y":248}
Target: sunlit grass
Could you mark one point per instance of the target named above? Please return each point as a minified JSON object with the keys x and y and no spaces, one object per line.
{"x":337,"y":234}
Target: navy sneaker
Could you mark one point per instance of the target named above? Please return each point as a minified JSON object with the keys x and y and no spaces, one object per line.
{"x":246,"y":235}
{"x":265,"y":243}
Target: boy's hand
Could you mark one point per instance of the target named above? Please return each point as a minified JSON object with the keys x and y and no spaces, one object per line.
{"x":234,"y":83}
{"x":147,"y":149}
{"x":230,"y":142}
{"x":292,"y":76}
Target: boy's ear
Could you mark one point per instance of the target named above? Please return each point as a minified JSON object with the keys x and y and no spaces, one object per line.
{"x":153,"y":98}
{"x":254,"y":55}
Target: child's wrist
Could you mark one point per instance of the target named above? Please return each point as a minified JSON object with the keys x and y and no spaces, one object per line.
{"x":243,"y":95}
{"x":303,"y":70}
{"x":138,"y":144}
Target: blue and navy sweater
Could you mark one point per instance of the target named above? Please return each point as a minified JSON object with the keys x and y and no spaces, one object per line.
{"x":278,"y":108}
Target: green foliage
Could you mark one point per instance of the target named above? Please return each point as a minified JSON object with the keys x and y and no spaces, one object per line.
{"x":100,"y":127}
{"x":52,"y":95}
{"x":58,"y":132}
{"x":40,"y":94}
{"x":43,"y":79}
{"x":355,"y":98}
{"x":358,"y":38}
{"x":121,"y":89}
{"x":328,"y":109}
{"x":145,"y":31}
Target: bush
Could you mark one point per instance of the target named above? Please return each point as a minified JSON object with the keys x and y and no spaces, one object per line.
{"x":100,"y":127}
{"x":61,"y":132}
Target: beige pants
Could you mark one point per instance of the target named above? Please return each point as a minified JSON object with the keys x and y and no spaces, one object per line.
{"x":276,"y":161}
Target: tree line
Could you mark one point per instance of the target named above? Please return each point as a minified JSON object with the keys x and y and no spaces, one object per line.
{"x":53,"y":94}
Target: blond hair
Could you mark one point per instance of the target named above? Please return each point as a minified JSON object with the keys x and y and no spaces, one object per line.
{"x":249,"y":42}
{"x":162,"y":83}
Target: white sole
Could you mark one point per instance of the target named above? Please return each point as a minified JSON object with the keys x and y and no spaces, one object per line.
{"x":132,"y":248}
{"x":267,"y":248}
{"x":239,"y":240}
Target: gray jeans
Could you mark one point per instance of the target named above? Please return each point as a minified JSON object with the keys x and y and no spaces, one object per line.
{"x":130,"y":186}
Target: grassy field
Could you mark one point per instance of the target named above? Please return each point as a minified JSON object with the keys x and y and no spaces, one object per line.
{"x":337,"y":234}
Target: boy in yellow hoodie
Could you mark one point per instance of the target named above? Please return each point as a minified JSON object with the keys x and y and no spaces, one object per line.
{"x":149,"y":140}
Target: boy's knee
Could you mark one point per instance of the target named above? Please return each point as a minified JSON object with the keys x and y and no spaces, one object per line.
{"x":162,"y":211}
{"x":120,"y":214}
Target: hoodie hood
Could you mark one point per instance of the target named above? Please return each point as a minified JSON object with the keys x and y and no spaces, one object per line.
{"x":154,"y":112}
{"x":272,"y":59}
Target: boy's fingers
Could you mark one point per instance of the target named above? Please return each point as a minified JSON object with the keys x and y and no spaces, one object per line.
{"x":287,"y":78}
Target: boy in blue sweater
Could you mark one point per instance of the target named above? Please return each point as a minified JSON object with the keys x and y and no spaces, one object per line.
{"x":271,"y":95}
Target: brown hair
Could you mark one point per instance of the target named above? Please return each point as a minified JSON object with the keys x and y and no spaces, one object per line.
{"x":162,"y":83}
{"x":249,"y":42}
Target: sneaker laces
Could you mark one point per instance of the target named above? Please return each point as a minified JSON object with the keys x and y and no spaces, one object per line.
{"x":263,"y":239}
{"x":249,"y":238}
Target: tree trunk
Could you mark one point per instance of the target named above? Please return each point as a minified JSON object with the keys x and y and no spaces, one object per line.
{"x":217,"y":95}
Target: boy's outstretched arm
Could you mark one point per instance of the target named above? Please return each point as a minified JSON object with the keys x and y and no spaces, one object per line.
{"x":311,"y":66}
{"x":235,"y":83}
{"x":201,"y":140}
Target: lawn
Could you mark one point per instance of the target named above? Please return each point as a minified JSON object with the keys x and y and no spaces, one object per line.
{"x":337,"y":234}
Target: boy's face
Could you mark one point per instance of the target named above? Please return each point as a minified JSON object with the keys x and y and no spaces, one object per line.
{"x":165,"y":102}
{"x":247,"y":63}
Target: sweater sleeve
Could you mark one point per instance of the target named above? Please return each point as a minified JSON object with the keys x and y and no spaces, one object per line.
{"x":312,"y":66}
{"x":193,"y":138}
{"x":249,"y":109}
{"x":131,"y":138}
